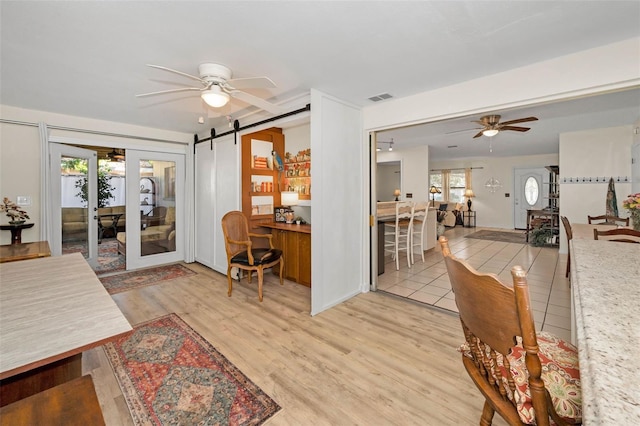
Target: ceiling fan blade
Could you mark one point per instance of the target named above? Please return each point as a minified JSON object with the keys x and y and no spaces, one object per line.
{"x":515,"y":128}
{"x":184,"y":89}
{"x":479,"y":134}
{"x":176,"y":72}
{"x":251,"y":83}
{"x":519,"y":120}
{"x":254,"y":100}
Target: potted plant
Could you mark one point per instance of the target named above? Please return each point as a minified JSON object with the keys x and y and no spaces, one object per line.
{"x":299,"y":220}
{"x":14,"y":212}
{"x":541,"y":237}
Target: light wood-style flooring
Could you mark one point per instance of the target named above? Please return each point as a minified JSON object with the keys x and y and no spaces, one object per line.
{"x":375,"y":359}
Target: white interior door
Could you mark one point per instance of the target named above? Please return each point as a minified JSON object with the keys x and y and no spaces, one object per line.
{"x":217,"y":191}
{"x":339,"y":254}
{"x":155,"y":208}
{"x":80,"y":232}
{"x":530,"y":193}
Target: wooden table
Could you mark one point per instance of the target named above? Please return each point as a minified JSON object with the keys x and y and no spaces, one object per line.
{"x":584,"y":231}
{"x":605,"y":290}
{"x":13,"y":252}
{"x":51,"y":310}
{"x":16,"y":231}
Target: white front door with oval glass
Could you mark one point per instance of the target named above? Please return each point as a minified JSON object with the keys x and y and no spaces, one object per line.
{"x":530,"y":193}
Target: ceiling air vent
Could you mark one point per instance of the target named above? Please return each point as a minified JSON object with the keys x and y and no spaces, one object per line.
{"x":380,"y":97}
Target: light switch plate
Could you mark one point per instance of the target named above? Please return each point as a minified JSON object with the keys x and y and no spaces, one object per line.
{"x":23,"y":200}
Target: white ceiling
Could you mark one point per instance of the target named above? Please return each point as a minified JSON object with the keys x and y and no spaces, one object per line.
{"x":88,"y":58}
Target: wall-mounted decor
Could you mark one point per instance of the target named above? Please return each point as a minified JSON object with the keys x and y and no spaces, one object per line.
{"x":493,"y":184}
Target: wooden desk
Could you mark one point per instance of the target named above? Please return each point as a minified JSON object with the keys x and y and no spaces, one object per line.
{"x":295,"y":243}
{"x":51,"y":310}
{"x":13,"y":252}
{"x":605,"y":291}
{"x":16,"y":231}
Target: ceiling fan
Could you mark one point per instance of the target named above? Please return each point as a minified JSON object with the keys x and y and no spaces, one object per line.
{"x":217,"y":86}
{"x":491,"y":125}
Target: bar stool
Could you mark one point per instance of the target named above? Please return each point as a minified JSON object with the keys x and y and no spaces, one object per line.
{"x":399,"y":232}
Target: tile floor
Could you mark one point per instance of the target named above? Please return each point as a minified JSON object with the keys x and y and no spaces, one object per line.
{"x":428,"y":282}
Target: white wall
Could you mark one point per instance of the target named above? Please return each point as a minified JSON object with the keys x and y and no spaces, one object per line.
{"x":414,"y":171}
{"x":20,"y":171}
{"x":387,"y":181}
{"x":591,"y":153}
{"x":597,"y":70}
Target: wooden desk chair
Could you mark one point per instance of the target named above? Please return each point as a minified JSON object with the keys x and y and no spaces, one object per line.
{"x":623,"y":235}
{"x":417,"y":231}
{"x":398,"y":233}
{"x":240,"y":254}
{"x":609,"y":219}
{"x":505,"y":358}
{"x":567,"y":229}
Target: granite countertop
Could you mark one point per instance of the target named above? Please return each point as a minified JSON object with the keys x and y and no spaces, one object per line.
{"x":605,"y":280}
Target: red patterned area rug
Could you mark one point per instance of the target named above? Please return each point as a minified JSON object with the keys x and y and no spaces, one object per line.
{"x":170,"y":375}
{"x":109,"y":260}
{"x":144,"y":277}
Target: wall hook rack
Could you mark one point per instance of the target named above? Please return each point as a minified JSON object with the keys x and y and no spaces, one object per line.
{"x":595,"y":179}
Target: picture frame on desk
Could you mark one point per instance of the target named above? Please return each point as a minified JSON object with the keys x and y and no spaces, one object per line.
{"x":279,"y":214}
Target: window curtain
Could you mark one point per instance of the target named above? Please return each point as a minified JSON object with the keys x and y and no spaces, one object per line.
{"x":445,"y":184}
{"x":467,"y":178}
{"x":45,"y":183}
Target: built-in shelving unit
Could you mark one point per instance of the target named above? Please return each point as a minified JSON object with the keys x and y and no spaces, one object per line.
{"x":262,"y":181}
{"x":147,"y":194}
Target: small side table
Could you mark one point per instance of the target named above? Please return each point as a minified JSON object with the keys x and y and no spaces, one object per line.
{"x":469,"y":217}
{"x":16,"y":231}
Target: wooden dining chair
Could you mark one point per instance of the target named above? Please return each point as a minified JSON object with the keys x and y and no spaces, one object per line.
{"x":567,"y":230}
{"x":420,"y":212}
{"x":622,"y":235}
{"x":507,"y":361}
{"x":614,"y":220}
{"x":242,"y":255}
{"x":398,"y":233}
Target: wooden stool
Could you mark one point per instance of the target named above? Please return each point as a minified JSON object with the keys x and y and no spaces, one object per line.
{"x":71,"y":403}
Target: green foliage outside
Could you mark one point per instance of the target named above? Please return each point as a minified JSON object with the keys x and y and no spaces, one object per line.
{"x":105,"y":190}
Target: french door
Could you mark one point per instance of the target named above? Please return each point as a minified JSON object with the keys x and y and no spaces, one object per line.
{"x":155,"y":231}
{"x":74,"y":201}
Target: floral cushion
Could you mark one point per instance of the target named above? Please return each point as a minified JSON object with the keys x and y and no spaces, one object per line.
{"x":560,"y":374}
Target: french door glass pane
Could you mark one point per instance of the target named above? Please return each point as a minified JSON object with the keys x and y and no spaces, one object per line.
{"x":75,"y":212}
{"x":157,"y":206}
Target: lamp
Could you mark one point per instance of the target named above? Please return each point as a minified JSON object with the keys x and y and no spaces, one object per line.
{"x":433,"y":191}
{"x":490,"y":132}
{"x":215,"y":97}
{"x":397,"y":194}
{"x":288,"y":199}
{"x":469,"y":194}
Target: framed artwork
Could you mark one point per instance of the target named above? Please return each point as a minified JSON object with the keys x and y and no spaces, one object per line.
{"x":279,"y":214}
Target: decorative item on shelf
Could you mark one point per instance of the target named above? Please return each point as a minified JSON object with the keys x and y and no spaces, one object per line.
{"x":14,"y":212}
{"x":288,"y":199}
{"x":493,"y":184}
{"x":433,"y":191}
{"x":300,"y":220}
{"x":396,"y":193}
{"x":144,"y":190}
{"x":469,"y":194}
{"x":633,"y":205}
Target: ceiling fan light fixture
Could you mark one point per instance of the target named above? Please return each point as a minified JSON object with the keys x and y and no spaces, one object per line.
{"x":490,"y":132}
{"x":215,"y":97}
